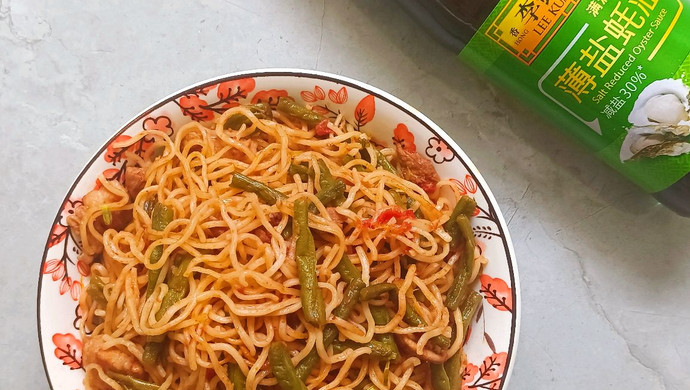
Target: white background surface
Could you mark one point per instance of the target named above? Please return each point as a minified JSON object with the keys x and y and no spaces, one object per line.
{"x":605,"y":271}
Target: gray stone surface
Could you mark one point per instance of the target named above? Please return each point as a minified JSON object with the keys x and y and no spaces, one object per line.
{"x":605,"y":270}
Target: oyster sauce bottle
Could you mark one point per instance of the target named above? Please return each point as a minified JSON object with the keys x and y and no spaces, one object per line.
{"x":614,"y":73}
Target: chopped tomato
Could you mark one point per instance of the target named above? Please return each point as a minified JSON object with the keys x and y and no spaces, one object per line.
{"x":322,"y":129}
{"x":401,"y":218}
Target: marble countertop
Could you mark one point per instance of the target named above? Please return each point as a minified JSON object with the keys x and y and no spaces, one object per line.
{"x":605,"y":270}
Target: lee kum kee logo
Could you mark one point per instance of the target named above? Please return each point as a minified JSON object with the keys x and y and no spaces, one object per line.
{"x":524,"y":27}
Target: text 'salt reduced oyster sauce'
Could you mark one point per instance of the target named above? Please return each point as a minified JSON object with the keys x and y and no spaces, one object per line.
{"x":613,"y":73}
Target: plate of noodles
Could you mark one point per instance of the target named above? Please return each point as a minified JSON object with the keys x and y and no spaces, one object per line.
{"x":279,"y":229}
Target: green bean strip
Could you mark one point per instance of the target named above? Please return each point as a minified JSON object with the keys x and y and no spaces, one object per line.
{"x":376,"y":290}
{"x":161,"y":216}
{"x":282,"y":368}
{"x":305,"y":253}
{"x":351,"y":298}
{"x":453,"y":368}
{"x":239,"y":381}
{"x":458,"y":290}
{"x":301,"y":170}
{"x":469,"y":309}
{"x":260,"y":110}
{"x":414,"y":319}
{"x":153,"y":274}
{"x":289,"y":107}
{"x":468,"y":234}
{"x":95,"y":290}
{"x":465,"y":206}
{"x":178,"y":288}
{"x":384,"y":163}
{"x":381,"y":318}
{"x":132,"y":383}
{"x":348,"y":272}
{"x":329,"y":194}
{"x":439,"y":377}
{"x":327,"y":181}
{"x":379,"y":350}
{"x":264,"y":192}
{"x":287,"y":232}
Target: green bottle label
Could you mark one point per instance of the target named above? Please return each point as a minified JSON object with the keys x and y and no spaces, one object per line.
{"x":615,"y":74}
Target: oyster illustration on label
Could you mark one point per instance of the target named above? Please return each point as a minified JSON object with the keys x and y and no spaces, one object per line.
{"x":660,"y":122}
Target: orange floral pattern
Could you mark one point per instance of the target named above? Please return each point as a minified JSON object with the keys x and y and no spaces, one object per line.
{"x":269,"y":96}
{"x":403,"y":137}
{"x":339,"y":97}
{"x":365,"y":111}
{"x":312,"y":97}
{"x":497,"y":293}
{"x":195,"y":107}
{"x":161,"y":123}
{"x":68,"y":349}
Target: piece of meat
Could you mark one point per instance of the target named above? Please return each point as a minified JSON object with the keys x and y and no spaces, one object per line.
{"x":417,"y":169}
{"x":339,"y":219}
{"x":263,"y":234}
{"x":135,"y":180}
{"x":322,"y":129}
{"x":275,"y":218}
{"x":111,"y":359}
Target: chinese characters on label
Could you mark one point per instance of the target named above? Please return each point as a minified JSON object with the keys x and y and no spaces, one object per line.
{"x":601,"y":54}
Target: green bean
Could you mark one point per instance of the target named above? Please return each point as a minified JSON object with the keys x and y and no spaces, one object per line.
{"x":384,"y":163}
{"x":352,"y":296}
{"x":289,"y":107}
{"x":379,"y":350}
{"x":305,"y":253}
{"x":453,"y":368}
{"x":131,"y":383}
{"x":95,"y":290}
{"x":328,"y":182}
{"x":307,"y":364}
{"x":439,"y":377}
{"x":458,"y":290}
{"x":149,"y":205}
{"x":153,"y":274}
{"x":399,"y":198}
{"x":413,"y":318}
{"x":153,"y":349}
{"x":468,"y":234}
{"x":381,"y":160}
{"x":178,"y":288}
{"x":264,"y":192}
{"x":381,"y":318}
{"x":465,"y":206}
{"x":161,"y":216}
{"x":376,"y":290}
{"x":301,"y":170}
{"x":282,"y":368}
{"x":329,"y":194}
{"x":260,"y":110}
{"x":287,"y":231}
{"x":348,"y":272}
{"x":106,"y":215}
{"x":239,"y":381}
{"x":417,"y":213}
{"x":469,"y":309}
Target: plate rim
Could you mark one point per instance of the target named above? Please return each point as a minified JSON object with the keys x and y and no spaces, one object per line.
{"x":366,"y":87}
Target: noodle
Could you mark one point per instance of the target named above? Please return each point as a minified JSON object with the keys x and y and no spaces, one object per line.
{"x":220,"y":281}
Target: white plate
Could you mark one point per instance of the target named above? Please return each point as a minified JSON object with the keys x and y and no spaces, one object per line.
{"x":494,"y":332}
